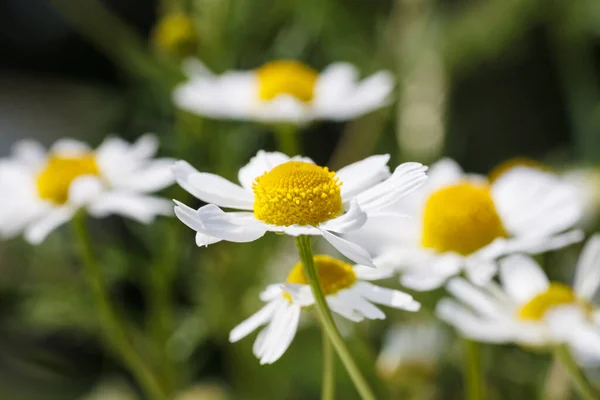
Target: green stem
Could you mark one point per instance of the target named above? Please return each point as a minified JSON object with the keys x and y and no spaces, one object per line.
{"x":582,"y":385}
{"x":473,"y":378}
{"x":114,"y":331}
{"x":288,"y":139}
{"x":328,"y":325}
{"x":328,"y":390}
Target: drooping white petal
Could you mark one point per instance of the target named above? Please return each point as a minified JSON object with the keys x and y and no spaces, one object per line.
{"x":84,"y":189}
{"x":285,"y":336}
{"x":426,"y":271}
{"x":249,"y":325}
{"x":360,"y":305}
{"x":212,"y":188}
{"x":587,"y":272}
{"x":212,"y":221}
{"x":301,"y":294}
{"x":271,"y":292}
{"x":203,"y":240}
{"x":351,"y":250}
{"x":283,"y":109}
{"x":38,"y":230}
{"x":140,"y":207}
{"x":522,"y":277}
{"x":363,"y":174}
{"x":353,"y":219}
{"x":384,"y":296}
{"x":339,"y":306}
{"x":535,"y":203}
{"x":406,"y":178}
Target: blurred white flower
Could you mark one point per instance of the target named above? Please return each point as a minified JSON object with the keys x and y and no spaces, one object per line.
{"x":283,"y":92}
{"x":346,"y":289}
{"x":409,"y":344}
{"x":40,"y":190}
{"x":463,"y":222}
{"x":294,"y":196}
{"x":528,"y":309}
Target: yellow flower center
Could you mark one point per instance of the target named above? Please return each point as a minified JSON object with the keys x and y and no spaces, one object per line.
{"x":286,"y":77}
{"x":297,"y":193}
{"x":334,"y":275}
{"x":556,"y":295}
{"x":175,"y":34}
{"x":54,"y":180}
{"x":509,"y":164}
{"x":461,"y":218}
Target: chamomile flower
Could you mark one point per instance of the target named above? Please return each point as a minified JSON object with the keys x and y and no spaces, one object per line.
{"x":464,"y":223}
{"x":294,"y":196}
{"x":41,"y":190}
{"x":528,"y":309}
{"x":348,"y":293}
{"x":283,"y":92}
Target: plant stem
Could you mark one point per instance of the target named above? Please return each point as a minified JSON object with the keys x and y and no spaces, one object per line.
{"x":473,"y":378}
{"x":328,"y":389}
{"x":582,"y":385}
{"x":303,"y":243}
{"x":288,"y":139}
{"x":113,"y":329}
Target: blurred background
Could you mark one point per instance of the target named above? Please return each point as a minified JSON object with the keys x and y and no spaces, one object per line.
{"x":480,"y":81}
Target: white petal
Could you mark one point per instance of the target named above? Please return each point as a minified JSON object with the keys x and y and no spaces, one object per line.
{"x":203,"y":240}
{"x":429,"y":271}
{"x":144,"y":147}
{"x":212,"y":188}
{"x":212,"y":221}
{"x":69,"y":148}
{"x":422,"y":281}
{"x":522,"y":278}
{"x":443,"y":173}
{"x":29,"y":152}
{"x":338,"y":306}
{"x":351,"y":220}
{"x":154,"y":176}
{"x":480,"y":272}
{"x":140,"y":207}
{"x":285,"y":336}
{"x":360,"y":305}
{"x":263,"y":162}
{"x":382,"y":271}
{"x":535,"y":203}
{"x":301,"y":294}
{"x":587,"y":272}
{"x":271,"y":292}
{"x":528,"y":244}
{"x":349,"y":249}
{"x":363,"y":174}
{"x":249,"y":325}
{"x":380,"y":295}
{"x":406,"y":178}
{"x":294,"y":230}
{"x":474,"y":297}
{"x":84,"y":189}
{"x":37,"y":231}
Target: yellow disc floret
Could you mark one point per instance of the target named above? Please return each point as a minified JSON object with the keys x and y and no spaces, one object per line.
{"x":297,"y":193}
{"x":334,"y":275}
{"x":557,"y":294}
{"x":286,"y":77}
{"x":56,"y":177}
{"x":511,"y":163}
{"x":461,"y":218}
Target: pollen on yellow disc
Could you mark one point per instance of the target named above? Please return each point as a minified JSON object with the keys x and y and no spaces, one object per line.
{"x":334,"y":275}
{"x":286,"y":77}
{"x":297,"y":193}
{"x":556,"y":295}
{"x":56,"y":177}
{"x":511,"y":163}
{"x":175,"y":34}
{"x":461,"y":218}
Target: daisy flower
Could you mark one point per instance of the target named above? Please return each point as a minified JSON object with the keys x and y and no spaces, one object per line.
{"x":294,"y":196}
{"x":348,"y":293}
{"x":283,"y":92}
{"x":41,"y":190}
{"x":528,"y":309}
{"x":465,"y":222}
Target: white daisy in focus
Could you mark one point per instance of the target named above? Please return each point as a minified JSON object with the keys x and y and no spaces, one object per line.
{"x":41,"y":190}
{"x":296,"y":197}
{"x":528,"y":309}
{"x":346,"y":289}
{"x":283,"y":92}
{"x":465,"y":223}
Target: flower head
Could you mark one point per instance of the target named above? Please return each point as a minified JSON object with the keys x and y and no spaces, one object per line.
{"x":465,"y":222}
{"x":41,"y":190}
{"x":175,"y":34}
{"x":527,"y":308}
{"x":296,"y":197}
{"x":346,"y":289}
{"x":283,"y":91}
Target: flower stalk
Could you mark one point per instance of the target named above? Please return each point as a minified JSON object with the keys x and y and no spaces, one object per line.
{"x":328,"y":389}
{"x":288,"y":139}
{"x":303,"y":243}
{"x":583,"y":387}
{"x":114,"y":331}
{"x":473,"y":377}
